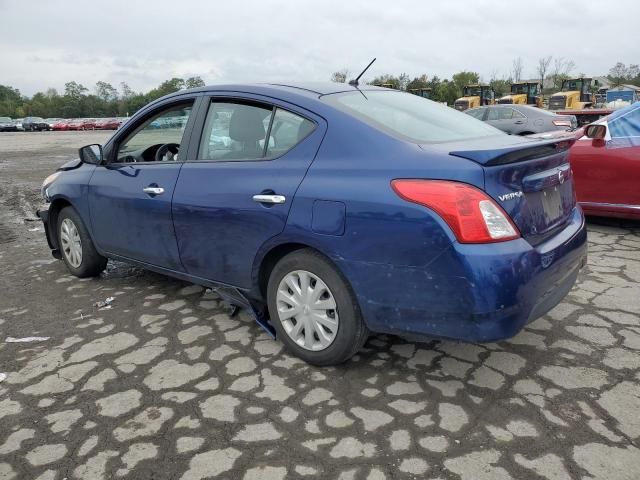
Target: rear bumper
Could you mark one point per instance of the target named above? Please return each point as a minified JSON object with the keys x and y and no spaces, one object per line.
{"x":477,"y":293}
{"x":44,"y":216}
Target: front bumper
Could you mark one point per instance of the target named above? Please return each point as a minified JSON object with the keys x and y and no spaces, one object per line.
{"x":478,"y":293}
{"x":43,"y":215}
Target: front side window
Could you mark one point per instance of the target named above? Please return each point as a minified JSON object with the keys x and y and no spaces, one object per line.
{"x":238,"y":131}
{"x":410,"y":117}
{"x":158,"y":138}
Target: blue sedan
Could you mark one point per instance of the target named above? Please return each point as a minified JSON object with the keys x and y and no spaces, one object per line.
{"x":330,"y":211}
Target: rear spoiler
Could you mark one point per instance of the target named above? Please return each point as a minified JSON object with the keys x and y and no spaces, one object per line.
{"x":516,"y":153}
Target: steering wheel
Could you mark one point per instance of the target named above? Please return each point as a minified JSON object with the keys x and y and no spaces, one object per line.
{"x":168,"y":149}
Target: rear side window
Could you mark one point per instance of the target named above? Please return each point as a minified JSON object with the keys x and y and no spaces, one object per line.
{"x":500,"y":114}
{"x":476,"y":113}
{"x":236,"y":131}
{"x":287,"y":130}
{"x":410,"y":117}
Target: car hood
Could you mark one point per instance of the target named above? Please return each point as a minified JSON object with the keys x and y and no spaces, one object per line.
{"x":70,"y":165}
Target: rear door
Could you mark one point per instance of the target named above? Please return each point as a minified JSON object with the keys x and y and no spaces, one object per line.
{"x":252,"y":155}
{"x":501,"y":118}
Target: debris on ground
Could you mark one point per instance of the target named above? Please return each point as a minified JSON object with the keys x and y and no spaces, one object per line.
{"x":26,"y":339}
{"x":105,"y":305}
{"x":2,"y":376}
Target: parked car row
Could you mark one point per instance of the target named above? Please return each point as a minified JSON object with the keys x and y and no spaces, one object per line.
{"x":38,"y":124}
{"x":88,"y":124}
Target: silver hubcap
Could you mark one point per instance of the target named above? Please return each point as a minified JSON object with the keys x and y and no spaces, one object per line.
{"x":307,"y":310}
{"x":71,"y":243}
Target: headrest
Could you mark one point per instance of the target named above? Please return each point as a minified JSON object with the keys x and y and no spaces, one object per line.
{"x":246,"y":124}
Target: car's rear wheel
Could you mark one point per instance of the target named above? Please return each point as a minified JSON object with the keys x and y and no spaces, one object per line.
{"x":314,"y":310}
{"x":77,"y":249}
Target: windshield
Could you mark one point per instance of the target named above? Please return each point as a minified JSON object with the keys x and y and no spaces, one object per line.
{"x":472,"y":91}
{"x":517,"y":89}
{"x":410,"y":117}
{"x":571,"y":85}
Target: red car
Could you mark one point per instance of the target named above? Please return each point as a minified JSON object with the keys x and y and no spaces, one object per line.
{"x":88,"y":124}
{"x":605,"y":160}
{"x":75,"y":124}
{"x":61,"y":125}
{"x":107,"y":124}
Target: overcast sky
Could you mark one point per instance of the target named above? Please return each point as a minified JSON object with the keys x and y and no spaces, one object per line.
{"x":45,"y":43}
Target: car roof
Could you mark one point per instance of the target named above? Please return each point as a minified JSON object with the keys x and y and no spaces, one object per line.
{"x":309,"y":89}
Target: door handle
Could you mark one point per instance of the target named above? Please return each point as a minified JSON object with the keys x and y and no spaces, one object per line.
{"x":276,"y":199}
{"x":519,"y":122}
{"x":153,"y":190}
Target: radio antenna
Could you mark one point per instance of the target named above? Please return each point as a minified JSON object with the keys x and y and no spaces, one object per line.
{"x":355,"y":82}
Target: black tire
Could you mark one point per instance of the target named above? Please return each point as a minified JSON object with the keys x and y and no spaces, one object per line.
{"x":92,"y":262}
{"x":352,"y":331}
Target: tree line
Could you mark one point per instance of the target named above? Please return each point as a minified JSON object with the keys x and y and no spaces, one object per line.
{"x":105,"y":100}
{"x":77,"y":101}
{"x":547,"y":68}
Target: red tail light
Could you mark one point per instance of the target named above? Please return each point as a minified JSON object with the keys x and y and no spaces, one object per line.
{"x":472,"y":215}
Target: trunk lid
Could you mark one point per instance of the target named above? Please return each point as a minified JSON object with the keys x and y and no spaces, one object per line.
{"x":530,"y":179}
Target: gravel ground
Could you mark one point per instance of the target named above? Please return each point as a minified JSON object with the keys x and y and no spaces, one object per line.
{"x":166,"y":385}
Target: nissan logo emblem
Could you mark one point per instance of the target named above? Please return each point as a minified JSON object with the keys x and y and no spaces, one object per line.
{"x":561,"y":177}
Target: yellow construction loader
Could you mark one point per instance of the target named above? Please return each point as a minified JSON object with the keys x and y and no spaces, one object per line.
{"x":523,"y":93}
{"x":421,"y":92}
{"x":575,"y":95}
{"x":475,"y":96}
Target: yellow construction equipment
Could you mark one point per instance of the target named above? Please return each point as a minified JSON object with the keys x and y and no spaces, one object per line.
{"x":523,"y":93}
{"x":421,"y":92}
{"x":475,"y":96}
{"x":575,"y":95}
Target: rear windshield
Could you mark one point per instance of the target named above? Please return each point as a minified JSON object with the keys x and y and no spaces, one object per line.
{"x":410,"y":117}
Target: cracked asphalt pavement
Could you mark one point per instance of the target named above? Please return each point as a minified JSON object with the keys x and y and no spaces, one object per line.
{"x":166,"y":385}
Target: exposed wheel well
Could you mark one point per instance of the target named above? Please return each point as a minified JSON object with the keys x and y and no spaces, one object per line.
{"x":269,"y":261}
{"x":54,"y":211}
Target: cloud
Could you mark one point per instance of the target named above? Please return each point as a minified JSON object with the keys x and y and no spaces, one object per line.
{"x":144,"y":43}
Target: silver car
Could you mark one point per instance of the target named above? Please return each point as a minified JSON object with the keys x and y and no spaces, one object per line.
{"x":523,"y":119}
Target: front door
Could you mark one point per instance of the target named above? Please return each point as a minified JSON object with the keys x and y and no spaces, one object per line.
{"x":607,"y":173}
{"x":252,"y":157}
{"x":130,"y":196}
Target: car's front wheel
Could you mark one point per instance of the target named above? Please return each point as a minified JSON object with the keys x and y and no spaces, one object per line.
{"x":77,"y":249}
{"x":314,"y":310}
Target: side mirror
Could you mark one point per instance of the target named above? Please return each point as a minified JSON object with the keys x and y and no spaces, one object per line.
{"x":91,"y":154}
{"x":597,"y":133}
